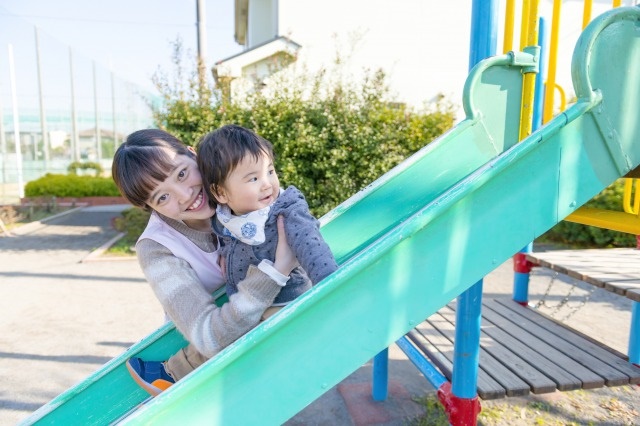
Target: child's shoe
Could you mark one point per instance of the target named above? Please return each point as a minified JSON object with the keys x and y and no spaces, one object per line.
{"x":150,"y":375}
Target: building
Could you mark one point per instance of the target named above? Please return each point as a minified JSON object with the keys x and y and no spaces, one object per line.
{"x":423,"y":46}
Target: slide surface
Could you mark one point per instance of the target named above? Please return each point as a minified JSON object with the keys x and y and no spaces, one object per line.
{"x":407,"y":244}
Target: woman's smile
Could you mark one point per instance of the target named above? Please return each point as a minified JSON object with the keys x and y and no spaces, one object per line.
{"x":197,"y":203}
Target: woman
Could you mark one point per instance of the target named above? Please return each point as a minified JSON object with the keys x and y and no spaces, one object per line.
{"x":178,"y":255}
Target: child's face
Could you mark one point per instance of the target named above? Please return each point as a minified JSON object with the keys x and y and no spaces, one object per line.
{"x":181,"y":195}
{"x":251,"y":186}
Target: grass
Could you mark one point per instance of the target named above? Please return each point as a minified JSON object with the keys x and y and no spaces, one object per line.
{"x":436,"y":416}
{"x":434,"y":412}
{"x":123,"y":247}
{"x":608,"y":405}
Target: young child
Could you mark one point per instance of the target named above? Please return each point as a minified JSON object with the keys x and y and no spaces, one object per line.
{"x":238,"y":172}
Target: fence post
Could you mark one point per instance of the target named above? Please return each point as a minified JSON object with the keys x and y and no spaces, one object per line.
{"x":16,"y":121}
{"x":43,"y":117}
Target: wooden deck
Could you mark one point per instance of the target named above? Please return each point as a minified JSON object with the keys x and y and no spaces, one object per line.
{"x":615,"y":270}
{"x":523,"y":351}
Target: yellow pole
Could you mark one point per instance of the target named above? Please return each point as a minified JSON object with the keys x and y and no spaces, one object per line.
{"x":563,"y":97}
{"x":631,"y":200}
{"x":617,"y":3}
{"x":524,"y":30}
{"x":529,"y":79}
{"x":507,"y":43}
{"x":586,"y":14}
{"x":553,"y":59}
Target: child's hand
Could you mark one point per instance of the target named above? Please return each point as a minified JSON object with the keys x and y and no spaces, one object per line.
{"x":285,"y":259}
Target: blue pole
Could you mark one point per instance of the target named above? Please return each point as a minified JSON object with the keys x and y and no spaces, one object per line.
{"x":425,"y":367}
{"x":484,"y":30}
{"x":521,"y":280}
{"x":521,"y":274}
{"x":380,"y":385}
{"x":466,"y":349}
{"x":634,"y":334}
{"x":539,"y":93}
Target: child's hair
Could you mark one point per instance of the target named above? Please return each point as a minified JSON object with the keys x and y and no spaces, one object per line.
{"x":142,"y":162}
{"x":220,"y":151}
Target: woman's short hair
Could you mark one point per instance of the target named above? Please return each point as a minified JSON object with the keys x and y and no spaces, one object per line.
{"x":143,"y":161}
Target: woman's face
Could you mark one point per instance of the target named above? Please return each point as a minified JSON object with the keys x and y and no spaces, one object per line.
{"x":181,"y":195}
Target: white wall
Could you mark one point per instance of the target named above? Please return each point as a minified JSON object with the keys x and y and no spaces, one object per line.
{"x":405,"y":38}
{"x":263,"y":22}
{"x":422,"y":45}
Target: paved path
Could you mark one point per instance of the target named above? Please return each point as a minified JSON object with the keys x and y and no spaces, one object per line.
{"x":61,"y":319}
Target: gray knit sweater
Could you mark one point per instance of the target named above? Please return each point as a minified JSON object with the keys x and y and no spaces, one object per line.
{"x":192,"y":309}
{"x":303,"y":235}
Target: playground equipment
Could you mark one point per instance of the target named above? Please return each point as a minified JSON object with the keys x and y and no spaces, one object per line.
{"x":627,"y":220}
{"x":407,"y":244}
{"x":613,"y":220}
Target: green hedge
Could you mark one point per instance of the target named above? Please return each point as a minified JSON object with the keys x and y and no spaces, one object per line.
{"x":56,"y":185}
{"x":583,"y":236}
{"x":89,"y":165}
{"x":132,"y":222}
{"x":330,"y":141}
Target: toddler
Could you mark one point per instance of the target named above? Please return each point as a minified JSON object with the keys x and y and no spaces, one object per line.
{"x":237,"y":168}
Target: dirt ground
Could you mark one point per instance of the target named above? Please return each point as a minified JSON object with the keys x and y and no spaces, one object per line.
{"x":605,"y":406}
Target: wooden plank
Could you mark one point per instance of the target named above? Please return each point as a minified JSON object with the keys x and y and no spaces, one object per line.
{"x":627,"y":288}
{"x":487,"y":387}
{"x":513,"y":361}
{"x":596,"y":349}
{"x":615,"y":270}
{"x":588,"y":379}
{"x":605,"y":373}
{"x":438,"y":349}
{"x":565,"y":271}
{"x":511,"y":384}
{"x":432,"y":353}
{"x":492,"y":367}
{"x":634,"y":295}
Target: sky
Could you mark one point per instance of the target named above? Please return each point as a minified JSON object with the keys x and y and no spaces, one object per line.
{"x":131,"y":37}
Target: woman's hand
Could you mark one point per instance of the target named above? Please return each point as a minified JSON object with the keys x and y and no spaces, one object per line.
{"x":285,"y":259}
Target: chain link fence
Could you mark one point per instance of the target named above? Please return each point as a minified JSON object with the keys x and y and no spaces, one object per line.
{"x":57,"y":107}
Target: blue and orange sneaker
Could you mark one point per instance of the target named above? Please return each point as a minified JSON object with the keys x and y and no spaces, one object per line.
{"x":150,"y":375}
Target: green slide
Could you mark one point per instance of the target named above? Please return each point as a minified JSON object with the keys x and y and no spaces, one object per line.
{"x":407,"y":244}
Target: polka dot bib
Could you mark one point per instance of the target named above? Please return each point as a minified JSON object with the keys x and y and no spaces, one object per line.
{"x":248,"y":228}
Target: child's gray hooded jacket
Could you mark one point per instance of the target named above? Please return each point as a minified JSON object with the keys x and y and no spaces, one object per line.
{"x":303,"y":235}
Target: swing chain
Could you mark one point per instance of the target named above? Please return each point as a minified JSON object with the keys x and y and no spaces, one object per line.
{"x":565,"y":300}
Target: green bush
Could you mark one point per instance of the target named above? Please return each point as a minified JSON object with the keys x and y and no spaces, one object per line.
{"x":56,"y":185}
{"x":89,"y":165}
{"x":331,"y":137}
{"x":580,"y":236}
{"x":132,"y":222}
